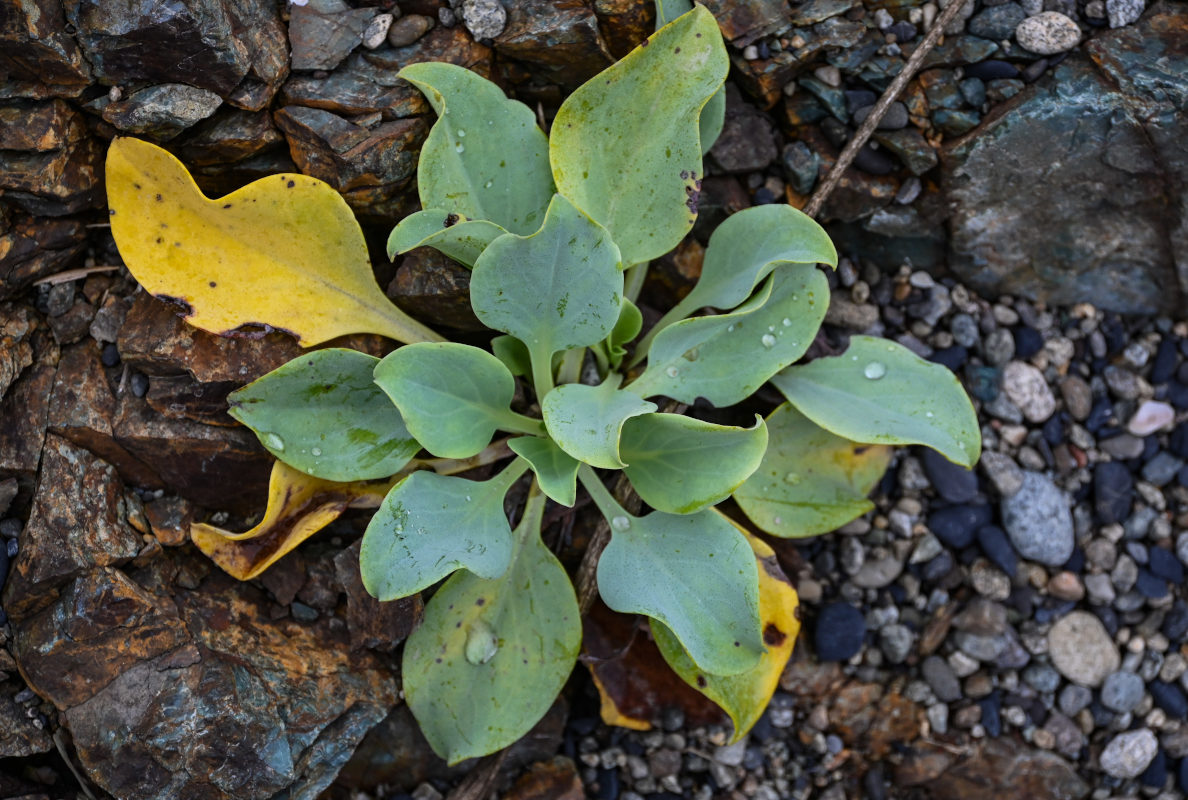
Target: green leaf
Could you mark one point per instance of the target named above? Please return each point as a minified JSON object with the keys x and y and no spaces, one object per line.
{"x":558,"y":288}
{"x":556,"y":470}
{"x":879,"y":392}
{"x":322,"y":414}
{"x":627,"y":327}
{"x":585,"y":421}
{"x":625,"y":146}
{"x":453,"y":397}
{"x":810,"y":481}
{"x":513,"y":354}
{"x":713,"y":116}
{"x":452,"y":234}
{"x":725,"y":358}
{"x":484,"y":158}
{"x":490,"y":656}
{"x":680,"y":465}
{"x":696,"y":574}
{"x":431,"y":525}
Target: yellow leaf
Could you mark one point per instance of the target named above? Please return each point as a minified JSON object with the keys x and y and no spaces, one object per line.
{"x":745,"y":696}
{"x":299,"y":506}
{"x":283,"y":252}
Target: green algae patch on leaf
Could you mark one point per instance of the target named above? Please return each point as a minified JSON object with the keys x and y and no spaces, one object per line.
{"x":491,"y":656}
{"x":283,"y":252}
{"x":484,"y":158}
{"x":811,"y":481}
{"x":445,"y":231}
{"x":625,"y":147}
{"x":321,"y":413}
{"x":431,"y":525}
{"x":879,"y":392}
{"x":587,"y":421}
{"x":681,"y":465}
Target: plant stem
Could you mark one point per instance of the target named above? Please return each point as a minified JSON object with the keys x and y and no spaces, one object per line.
{"x":542,"y":373}
{"x":636,"y":274}
{"x":586,"y":580}
{"x":570,"y":370}
{"x":607,"y":504}
{"x":512,"y":422}
{"x":496,"y":451}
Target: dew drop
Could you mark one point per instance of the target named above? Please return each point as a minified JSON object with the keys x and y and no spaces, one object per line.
{"x":620,"y":523}
{"x":777,"y":520}
{"x":488,"y":184}
{"x":317,"y":451}
{"x":787,"y":322}
{"x":458,"y":148}
{"x":771,"y":328}
{"x":481,"y":644}
{"x":461,"y":133}
{"x":273,"y":441}
{"x":768,"y":340}
{"x":672,"y":372}
{"x":875,"y":370}
{"x":468,"y":498}
{"x":730,"y":328}
{"x":792,"y":478}
{"x":928,"y":414}
{"x":691,"y":354}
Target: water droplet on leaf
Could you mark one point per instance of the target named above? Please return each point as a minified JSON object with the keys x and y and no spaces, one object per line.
{"x":787,"y":322}
{"x":481,"y":644}
{"x":875,"y":370}
{"x":461,"y":133}
{"x":273,"y":442}
{"x":768,"y":340}
{"x":620,"y":523}
{"x":458,"y":148}
{"x":317,"y":451}
{"x":672,"y":372}
{"x":792,"y":478}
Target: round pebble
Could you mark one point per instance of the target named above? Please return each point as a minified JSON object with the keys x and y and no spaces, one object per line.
{"x":1121,"y":691}
{"x":1026,"y":388}
{"x":1048,"y":33}
{"x":1128,"y":754}
{"x":840,"y":631}
{"x":1151,"y":416}
{"x":1038,"y":521}
{"x":1082,"y":650}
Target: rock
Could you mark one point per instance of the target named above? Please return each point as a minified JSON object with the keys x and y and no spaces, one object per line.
{"x":1081,"y":648}
{"x":408,"y":29}
{"x":1026,"y":387}
{"x":33,"y":247}
{"x":20,"y":735}
{"x":955,"y":484}
{"x":1128,"y":754}
{"x":558,"y":41}
{"x":435,"y":289}
{"x":1047,"y":33}
{"x":49,"y":164}
{"x":956,"y":526}
{"x":549,"y":780}
{"x":373,"y":625}
{"x":877,"y":573}
{"x":1066,"y":586}
{"x":39,"y":58}
{"x":1170,"y":698}
{"x":1000,"y":768}
{"x":1078,"y":397}
{"x":1164,"y":564}
{"x":896,"y":642}
{"x":747,"y":143}
{"x":162,"y":112}
{"x":941,"y":679}
{"x":1038,"y":521}
{"x":895,"y":119}
{"x":1113,"y":489}
{"x":1002,"y":471}
{"x":485,"y":19}
{"x":1151,"y":416}
{"x":1124,"y":12}
{"x":377,"y":30}
{"x":801,"y":166}
{"x":23,"y":412}
{"x":322,"y":34}
{"x":997,"y":22}
{"x":1122,"y":691}
{"x":998,"y":549}
{"x":840,"y":632}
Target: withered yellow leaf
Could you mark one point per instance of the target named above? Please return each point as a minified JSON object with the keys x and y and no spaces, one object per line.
{"x":745,"y":696}
{"x":283,"y":252}
{"x":299,"y":506}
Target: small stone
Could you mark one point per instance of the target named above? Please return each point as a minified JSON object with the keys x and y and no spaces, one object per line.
{"x":956,"y":526}
{"x":1121,"y":691}
{"x":377,"y":30}
{"x":407,"y":30}
{"x":1164,"y":564}
{"x":941,"y":679}
{"x":840,"y":632}
{"x":1113,"y":490}
{"x":1048,"y":33}
{"x":997,"y":547}
{"x":485,"y":19}
{"x":1170,"y":698}
{"x":1066,"y":586}
{"x":1123,"y":447}
{"x":1078,"y":397}
{"x":896,"y":642}
{"x":1151,"y":416}
{"x":1073,"y":698}
{"x":1038,"y":521}
{"x":1128,"y":754}
{"x":1081,"y":648}
{"x":955,"y":484}
{"x":1026,"y":387}
{"x":1100,"y":589}
{"x":1002,"y":471}
{"x":997,"y":22}
{"x":1124,"y":12}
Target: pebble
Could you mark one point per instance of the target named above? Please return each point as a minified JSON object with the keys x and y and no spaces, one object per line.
{"x":1113,"y":490}
{"x":840,"y":632}
{"x":956,"y":526}
{"x":1164,"y":564}
{"x":377,"y":30}
{"x":941,"y":679}
{"x":997,"y":22}
{"x":1038,"y":521}
{"x":1123,"y":448}
{"x":1048,"y":33}
{"x":997,"y":547}
{"x":1151,"y":416}
{"x":1078,"y":397}
{"x":896,"y":642}
{"x":1066,"y":586}
{"x":409,"y":29}
{"x":1073,"y":699}
{"x":1124,"y":12}
{"x":1082,"y":650}
{"x":1129,"y":753}
{"x":485,"y":19}
{"x":1122,"y":691}
{"x":1026,"y":387}
{"x":1170,"y":698}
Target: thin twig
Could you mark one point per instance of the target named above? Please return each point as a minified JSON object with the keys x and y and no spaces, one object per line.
{"x":479,"y":782}
{"x":813,"y":207}
{"x":75,"y":274}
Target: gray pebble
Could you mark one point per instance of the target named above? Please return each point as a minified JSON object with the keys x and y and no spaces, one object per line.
{"x":1122,"y":691}
{"x":485,"y":19}
{"x":1124,"y":12}
{"x":896,"y":642}
{"x":1042,"y":678}
{"x":1026,"y":387}
{"x":1073,"y":699}
{"x":1129,"y":754}
{"x":1082,"y":649}
{"x":941,"y":679}
{"x":1038,"y":521}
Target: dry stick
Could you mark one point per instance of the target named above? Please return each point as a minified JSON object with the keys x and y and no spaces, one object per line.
{"x":813,"y":207}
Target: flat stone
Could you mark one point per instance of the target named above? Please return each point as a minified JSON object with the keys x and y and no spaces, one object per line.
{"x":49,"y":164}
{"x":941,"y":679}
{"x":1003,"y":473}
{"x":1048,"y":33}
{"x":163,"y":111}
{"x":408,"y":29}
{"x":1026,"y":387}
{"x":1113,"y":491}
{"x":1082,"y":650}
{"x":37,"y":55}
{"x":1129,"y":753}
{"x":1038,"y":521}
{"x":839,"y":633}
{"x":1151,"y":416}
{"x":323,"y":34}
{"x":1005,"y":767}
{"x":34,"y":247}
{"x":747,"y":142}
{"x":557,"y":41}
{"x":373,"y":625}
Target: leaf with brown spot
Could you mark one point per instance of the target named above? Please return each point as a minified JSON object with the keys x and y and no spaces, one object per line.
{"x":299,"y":506}
{"x":745,"y":696}
{"x":283,"y":252}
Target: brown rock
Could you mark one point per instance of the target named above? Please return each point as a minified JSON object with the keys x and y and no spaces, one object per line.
{"x":372,"y":624}
{"x":921,"y":764}
{"x":451,"y":45}
{"x":549,"y":780}
{"x":181,"y":397}
{"x":76,"y":523}
{"x":169,"y":519}
{"x":23,"y":414}
{"x":370,"y":167}
{"x":37,"y":56}
{"x":747,"y":142}
{"x":408,"y":29}
{"x":17,"y":323}
{"x":68,"y":328}
{"x":357,"y":87}
{"x":765,"y":78}
{"x":624,"y":24}
{"x":20,"y":737}
{"x":434,"y":289}
{"x":673,"y":275}
{"x":745,"y":21}
{"x":32,"y":248}
{"x":1006,"y":768}
{"x":54,"y":167}
{"x":229,"y":137}
{"x":557,"y":40}
{"x":259,"y":26}
{"x":323,"y":34}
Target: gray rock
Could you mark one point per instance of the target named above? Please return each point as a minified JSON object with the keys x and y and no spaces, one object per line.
{"x":1122,"y":447}
{"x":1100,"y":589}
{"x":1122,"y":691}
{"x":982,"y":648}
{"x":998,"y":347}
{"x":1082,"y":649}
{"x":163,"y":111}
{"x":1003,"y":473}
{"x":408,"y":30}
{"x":997,"y":22}
{"x":377,"y":31}
{"x":322,"y":34}
{"x":1038,"y":521}
{"x":485,"y":19}
{"x":1078,"y":397}
{"x":1129,"y":754}
{"x":941,"y":679}
{"x":1161,"y":469}
{"x":1042,"y":678}
{"x":1026,"y":387}
{"x":1048,"y":33}
{"x":1124,"y":12}
{"x":896,"y":642}
{"x":895,"y":119}
{"x":1073,"y":698}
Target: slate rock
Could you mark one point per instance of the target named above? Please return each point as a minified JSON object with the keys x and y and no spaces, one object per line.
{"x":840,"y":631}
{"x":322,"y":34}
{"x":39,"y":58}
{"x":1082,"y":650}
{"x":997,"y":22}
{"x":162,"y":112}
{"x":1113,"y":489}
{"x":747,"y":143}
{"x":557,"y":41}
{"x":34,"y":247}
{"x":1164,"y":564}
{"x":1000,"y":768}
{"x":20,"y":735}
{"x":434,"y":289}
{"x":1038,"y":521}
{"x":49,"y":163}
{"x":997,"y":547}
{"x":801,"y":166}
{"x":1170,"y":698}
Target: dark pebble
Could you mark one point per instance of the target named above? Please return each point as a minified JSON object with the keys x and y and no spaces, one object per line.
{"x":991,"y":720}
{"x":938,"y":567}
{"x":1108,"y":617}
{"x":140,"y":384}
{"x":1184,"y":775}
{"x":1164,"y":564}
{"x":1149,"y":586}
{"x":1053,"y":430}
{"x":974,"y":91}
{"x":1034,"y":70}
{"x":1113,"y":489}
{"x":1175,"y":622}
{"x":1156,"y":774}
{"x":1165,"y":362}
{"x":1170,"y":698}
{"x":969,"y":555}
{"x":10,"y":528}
{"x":1182,"y":476}
{"x":956,"y":526}
{"x":875,"y":783}
{"x":762,"y":730}
{"x":1115,"y":334}
{"x":3,"y":567}
{"x":1022,"y":599}
{"x":859,"y":98}
{"x":1099,"y":415}
{"x":301,"y":611}
{"x":875,"y":162}
{"x":1076,"y":562}
{"x":1182,"y":371}
{"x":997,"y":547}
{"x":991,"y":70}
{"x":982,"y":382}
{"x":764,"y":196}
{"x":1177,"y":395}
{"x":1177,"y":441}
{"x":583,"y":726}
{"x":12,"y":548}
{"x":1028,"y":342}
{"x":110,"y":355}
{"x":1150,"y":448}
{"x":608,"y":784}
{"x":951,"y":357}
{"x":954,"y":483}
{"x":904,"y":31}
{"x":1052,"y":610}
{"x":840,"y":631}
{"x":1102,"y":716}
